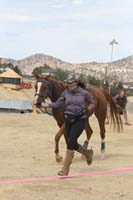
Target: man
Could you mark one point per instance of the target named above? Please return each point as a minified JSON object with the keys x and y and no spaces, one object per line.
{"x":121,"y":102}
{"x":75,"y":99}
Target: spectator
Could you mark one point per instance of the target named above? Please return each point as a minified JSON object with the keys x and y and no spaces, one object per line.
{"x":121,"y":102}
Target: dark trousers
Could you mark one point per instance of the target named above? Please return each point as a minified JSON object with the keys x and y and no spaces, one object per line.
{"x":73,"y":131}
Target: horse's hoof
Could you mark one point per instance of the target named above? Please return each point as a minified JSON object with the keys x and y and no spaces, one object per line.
{"x":58,"y":158}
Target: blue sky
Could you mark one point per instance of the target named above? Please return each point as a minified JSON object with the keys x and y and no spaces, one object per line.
{"x":72,"y":30}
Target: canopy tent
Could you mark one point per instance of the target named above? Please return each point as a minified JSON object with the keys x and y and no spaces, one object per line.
{"x":10,"y":78}
{"x":9,"y":73}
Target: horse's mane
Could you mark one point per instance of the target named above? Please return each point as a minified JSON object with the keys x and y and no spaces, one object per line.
{"x":57,"y":82}
{"x":81,"y":84}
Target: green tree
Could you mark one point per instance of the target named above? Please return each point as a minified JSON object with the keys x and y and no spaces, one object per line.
{"x":17,"y":70}
{"x":60,"y":74}
{"x":93,"y":81}
{"x":11,"y":66}
{"x":42,"y":69}
{"x":115,"y":89}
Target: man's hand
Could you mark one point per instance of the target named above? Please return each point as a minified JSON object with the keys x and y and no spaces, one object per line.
{"x":45,"y":105}
{"x":90,"y":109}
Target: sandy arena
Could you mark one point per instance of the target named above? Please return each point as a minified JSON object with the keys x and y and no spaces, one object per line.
{"x":27,"y":151}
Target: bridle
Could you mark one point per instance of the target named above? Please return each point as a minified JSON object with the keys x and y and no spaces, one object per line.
{"x":48,"y":90}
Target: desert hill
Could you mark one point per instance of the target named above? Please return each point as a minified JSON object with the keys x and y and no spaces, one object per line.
{"x":121,"y":69}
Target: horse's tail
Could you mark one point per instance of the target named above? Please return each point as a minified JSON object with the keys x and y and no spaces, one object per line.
{"x":114,"y":114}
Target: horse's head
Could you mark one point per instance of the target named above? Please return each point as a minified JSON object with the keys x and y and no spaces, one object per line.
{"x":43,"y":88}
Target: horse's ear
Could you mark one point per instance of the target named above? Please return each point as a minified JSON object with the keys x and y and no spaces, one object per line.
{"x":48,"y":76}
{"x":42,"y":76}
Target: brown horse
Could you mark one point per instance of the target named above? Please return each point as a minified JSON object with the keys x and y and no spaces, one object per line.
{"x":47,"y":87}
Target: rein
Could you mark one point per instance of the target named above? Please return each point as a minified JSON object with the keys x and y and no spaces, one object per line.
{"x":45,"y":110}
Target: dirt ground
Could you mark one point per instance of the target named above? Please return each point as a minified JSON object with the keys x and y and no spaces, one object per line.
{"x":27,"y":151}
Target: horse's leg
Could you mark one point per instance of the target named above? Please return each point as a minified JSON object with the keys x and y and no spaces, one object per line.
{"x":57,"y":138}
{"x":89,"y":132}
{"x":101,"y":120}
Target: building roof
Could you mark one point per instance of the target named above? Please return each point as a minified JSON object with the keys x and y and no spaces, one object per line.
{"x":9,"y":73}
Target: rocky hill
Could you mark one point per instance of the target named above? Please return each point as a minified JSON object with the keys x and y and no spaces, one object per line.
{"x":121,"y":69}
